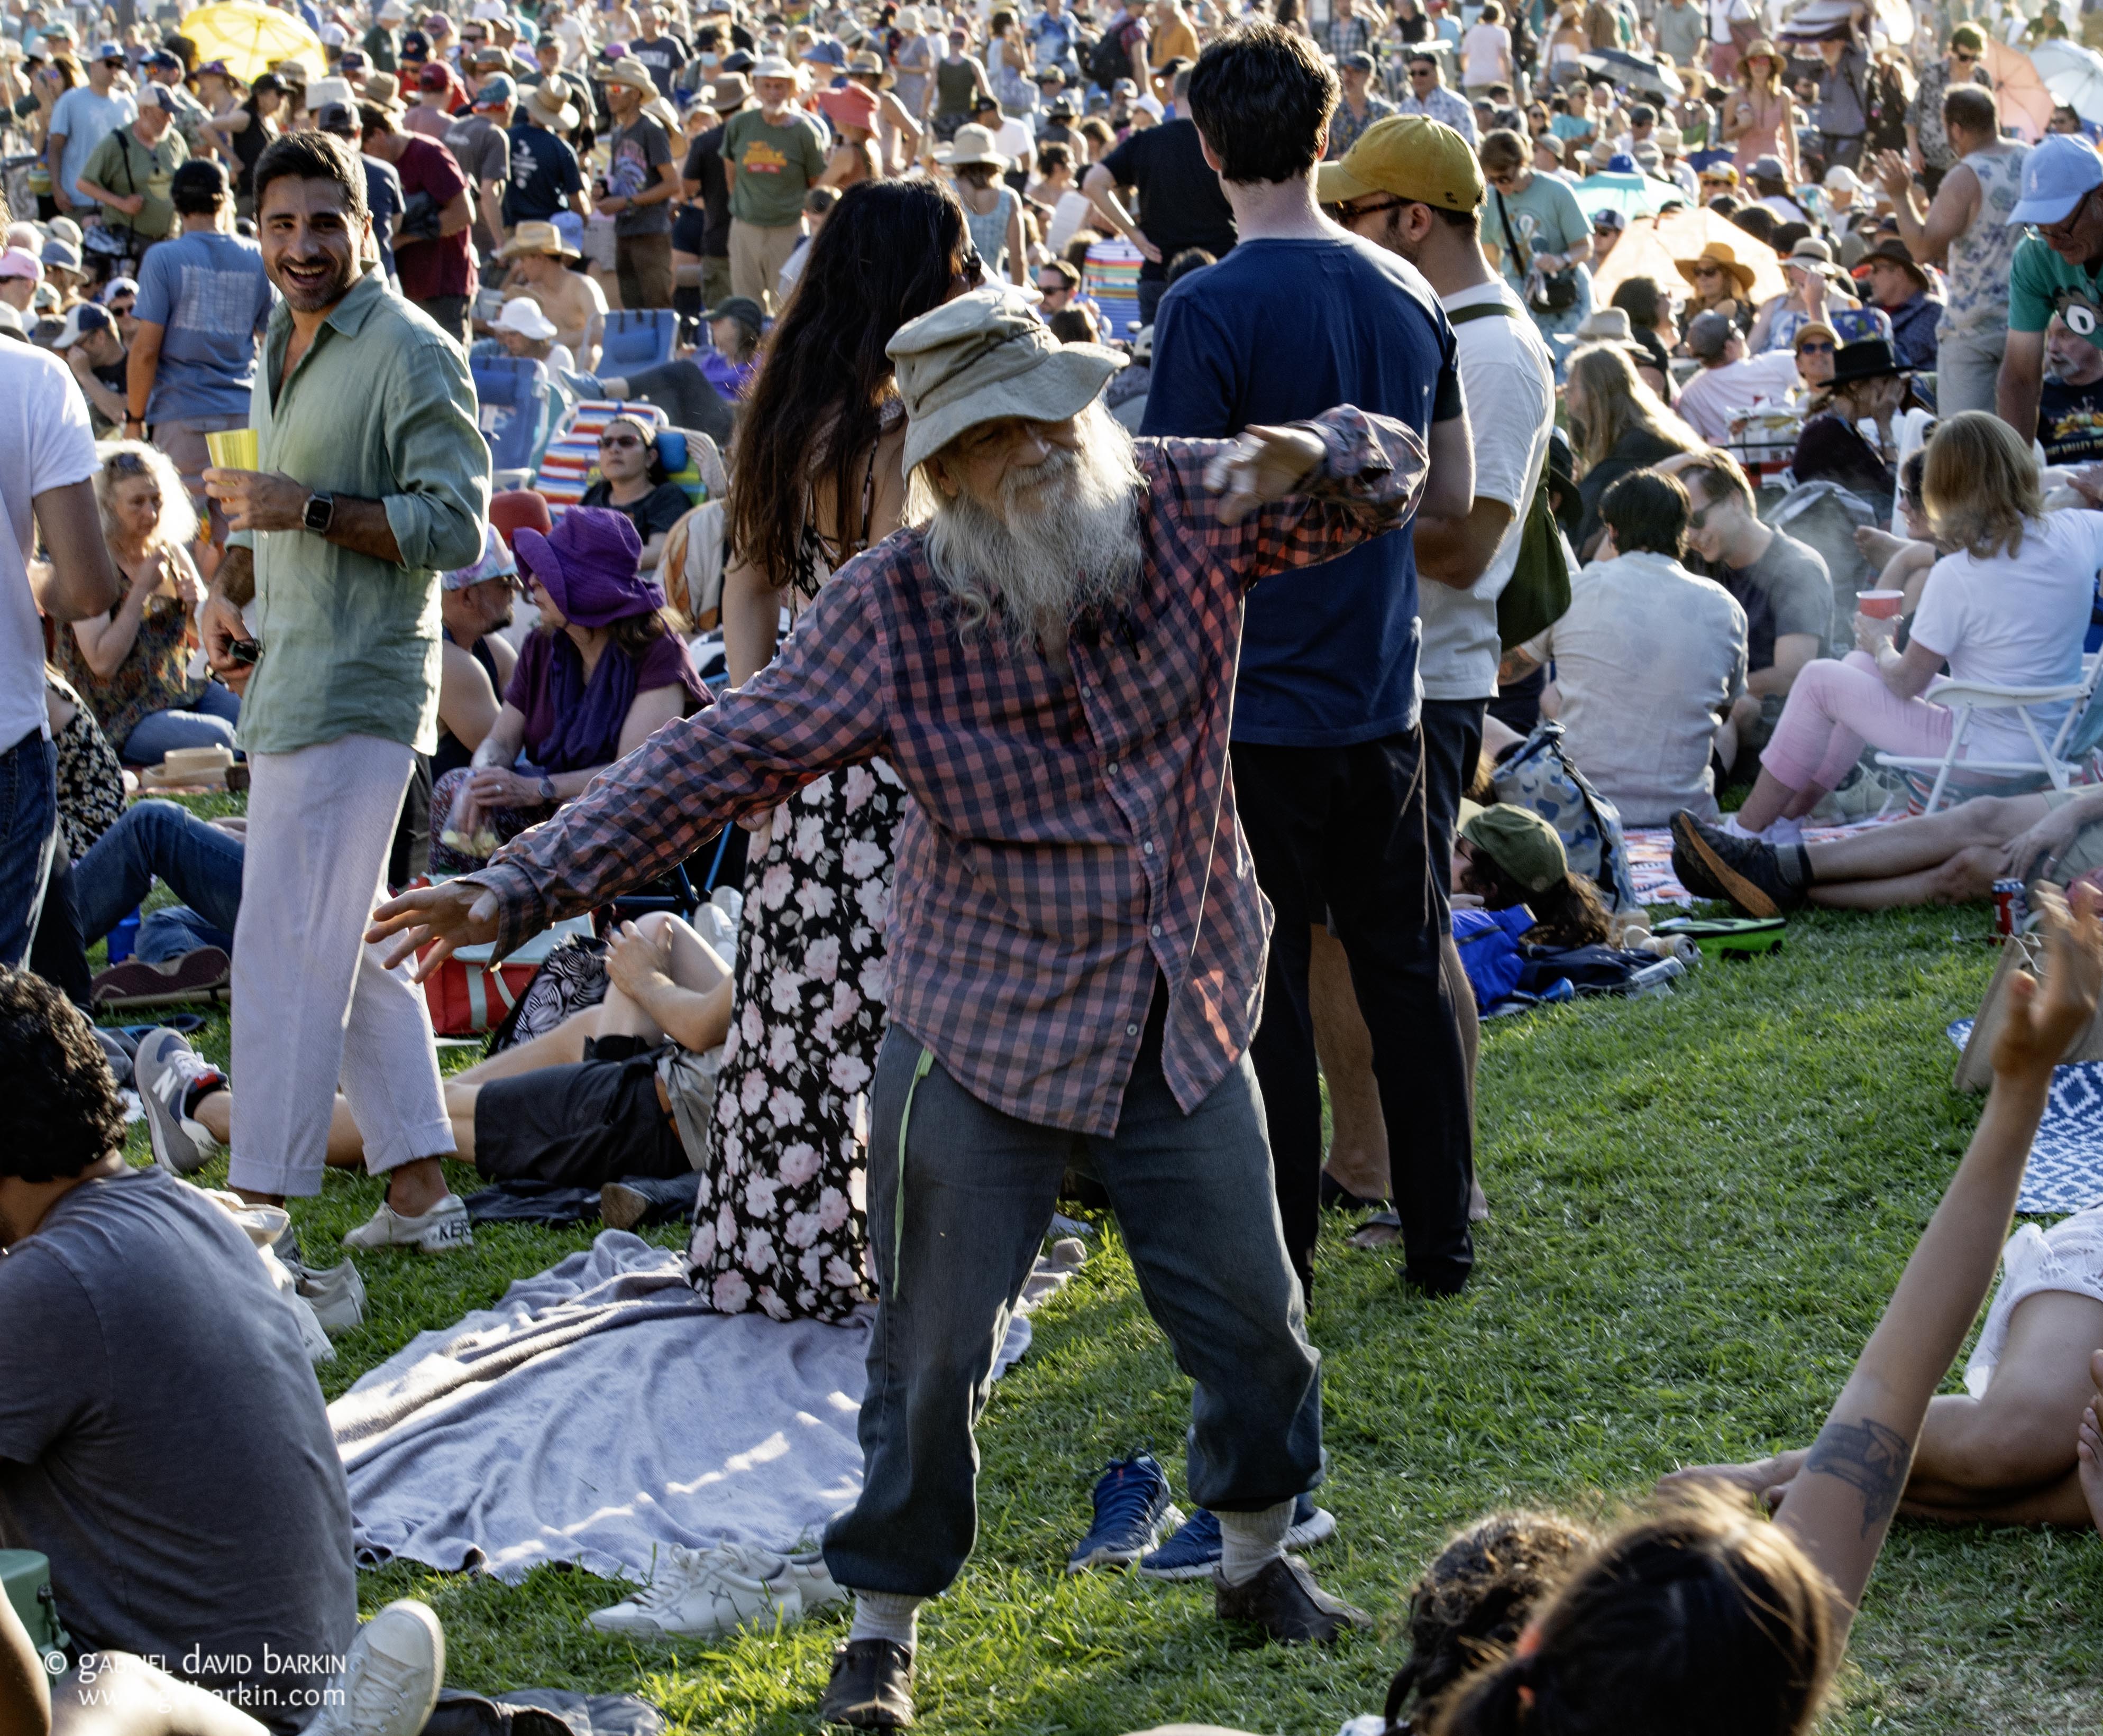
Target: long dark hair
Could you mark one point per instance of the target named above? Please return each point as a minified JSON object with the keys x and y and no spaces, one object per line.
{"x":883,"y":258}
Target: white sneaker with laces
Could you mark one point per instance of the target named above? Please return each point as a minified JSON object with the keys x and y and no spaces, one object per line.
{"x":391,"y":1676}
{"x":814,"y":1580}
{"x":706,"y":1593}
{"x":443,"y":1229}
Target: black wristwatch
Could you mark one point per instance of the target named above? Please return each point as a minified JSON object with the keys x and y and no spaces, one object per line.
{"x":547,"y":788}
{"x":320,"y":513}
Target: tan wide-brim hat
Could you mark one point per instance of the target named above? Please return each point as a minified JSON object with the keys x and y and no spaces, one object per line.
{"x":1719,"y":253}
{"x":629,"y":71}
{"x":984,"y":358}
{"x":559,"y":118}
{"x":973,"y":146}
{"x":383,"y":92}
{"x":536,"y":237}
{"x":866,"y":64}
{"x":729,"y":91}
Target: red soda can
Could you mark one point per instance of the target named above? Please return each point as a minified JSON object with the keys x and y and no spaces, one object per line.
{"x":2010,"y":906}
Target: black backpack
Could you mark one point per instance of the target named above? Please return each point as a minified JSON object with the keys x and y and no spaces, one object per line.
{"x":1110,"y":58}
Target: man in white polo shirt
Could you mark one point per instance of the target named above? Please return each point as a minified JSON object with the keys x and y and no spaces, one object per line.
{"x":1413,"y":185}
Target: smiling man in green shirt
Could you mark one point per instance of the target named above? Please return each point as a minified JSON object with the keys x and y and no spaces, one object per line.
{"x":372,"y":478}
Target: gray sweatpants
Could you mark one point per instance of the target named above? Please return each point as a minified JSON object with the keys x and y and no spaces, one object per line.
{"x":311,"y":1005}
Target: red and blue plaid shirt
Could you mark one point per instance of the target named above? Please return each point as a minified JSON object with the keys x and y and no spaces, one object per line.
{"x":1073,"y":836}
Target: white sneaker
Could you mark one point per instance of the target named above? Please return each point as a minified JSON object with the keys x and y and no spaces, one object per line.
{"x":814,"y":1580}
{"x":337,"y":1296}
{"x":163,"y":1071}
{"x":706,"y":1593}
{"x":443,"y":1229}
{"x":391,"y":1676}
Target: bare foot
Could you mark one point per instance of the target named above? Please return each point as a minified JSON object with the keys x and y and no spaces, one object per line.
{"x":1372,"y":1234}
{"x":2088,"y":1445}
{"x":1766,"y":1480}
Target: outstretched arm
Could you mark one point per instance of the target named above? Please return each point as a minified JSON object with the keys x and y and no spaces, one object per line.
{"x":821,"y":704}
{"x":1841,"y":1503}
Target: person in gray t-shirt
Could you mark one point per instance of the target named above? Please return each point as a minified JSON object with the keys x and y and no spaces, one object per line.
{"x":163,"y":1439}
{"x":1781,"y":584}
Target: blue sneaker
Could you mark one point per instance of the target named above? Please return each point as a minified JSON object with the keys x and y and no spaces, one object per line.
{"x":1194,"y":1551}
{"x":1133,"y":1508}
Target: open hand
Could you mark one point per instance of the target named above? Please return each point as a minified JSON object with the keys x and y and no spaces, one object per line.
{"x":258,"y":500}
{"x":444,"y":917}
{"x":1261,"y":464}
{"x":2043,"y":1019}
{"x":1896,"y":173}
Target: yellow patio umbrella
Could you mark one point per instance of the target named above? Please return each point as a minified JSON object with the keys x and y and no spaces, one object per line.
{"x":249,"y":38}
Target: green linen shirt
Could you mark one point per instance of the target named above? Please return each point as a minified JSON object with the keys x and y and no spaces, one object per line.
{"x":380,"y":408}
{"x":2041,"y":283}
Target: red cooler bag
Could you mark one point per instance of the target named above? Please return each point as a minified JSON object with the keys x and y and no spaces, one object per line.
{"x":468,"y":996}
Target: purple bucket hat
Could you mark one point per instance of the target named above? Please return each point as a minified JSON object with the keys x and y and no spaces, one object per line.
{"x":590,"y":566}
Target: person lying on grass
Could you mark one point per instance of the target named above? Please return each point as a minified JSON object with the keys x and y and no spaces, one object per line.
{"x":616,"y":1090}
{"x":1950,"y":858}
{"x":2007,"y":1454}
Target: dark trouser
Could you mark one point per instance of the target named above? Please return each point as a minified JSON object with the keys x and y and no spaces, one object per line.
{"x":1452,"y":745}
{"x":1346,"y":830}
{"x":1518,"y":704}
{"x":1192,"y":1198}
{"x":1841,"y":152}
{"x":644,"y":265}
{"x":1151,"y":290}
{"x":449,"y":314}
{"x":28,"y":834}
{"x":58,"y":953}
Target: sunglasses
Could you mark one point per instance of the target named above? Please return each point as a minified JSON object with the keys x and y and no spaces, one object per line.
{"x":1965,"y":60}
{"x":1815,"y":347}
{"x":607,"y":441}
{"x":1707,"y":271}
{"x":128,"y":463}
{"x":972,"y":269}
{"x":1353,"y":213}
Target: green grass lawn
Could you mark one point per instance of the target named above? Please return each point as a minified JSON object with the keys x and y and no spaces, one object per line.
{"x":1701,"y":1202}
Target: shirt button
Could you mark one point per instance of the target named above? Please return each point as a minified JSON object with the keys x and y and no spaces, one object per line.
{"x":1147,"y":848}
{"x":1132,"y":1030}
{"x":1112,"y":769}
{"x":1155,"y":930}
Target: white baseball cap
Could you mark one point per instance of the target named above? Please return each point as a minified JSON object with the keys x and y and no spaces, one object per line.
{"x":522,"y":315}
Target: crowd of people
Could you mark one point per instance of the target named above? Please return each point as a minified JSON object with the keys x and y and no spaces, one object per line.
{"x":1122,"y":490}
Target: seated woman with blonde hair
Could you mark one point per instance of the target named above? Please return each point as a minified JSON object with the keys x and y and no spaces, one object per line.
{"x":132,"y":665}
{"x":2008,"y":606}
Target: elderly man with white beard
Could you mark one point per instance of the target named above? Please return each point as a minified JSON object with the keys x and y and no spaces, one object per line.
{"x":1045,"y":655}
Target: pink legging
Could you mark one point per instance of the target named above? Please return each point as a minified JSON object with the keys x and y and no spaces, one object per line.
{"x":1834,"y":709}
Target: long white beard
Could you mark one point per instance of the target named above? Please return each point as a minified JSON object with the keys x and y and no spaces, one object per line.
{"x":1026,"y":569}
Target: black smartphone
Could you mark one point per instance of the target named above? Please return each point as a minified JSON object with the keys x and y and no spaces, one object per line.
{"x":245,"y":650}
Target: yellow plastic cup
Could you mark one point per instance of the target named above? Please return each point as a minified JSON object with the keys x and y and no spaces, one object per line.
{"x":235,"y":449}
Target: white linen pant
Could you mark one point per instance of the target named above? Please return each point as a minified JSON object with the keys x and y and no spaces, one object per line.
{"x":312,"y":1004}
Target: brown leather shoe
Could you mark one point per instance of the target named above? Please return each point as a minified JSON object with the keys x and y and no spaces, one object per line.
{"x":872,"y":1686}
{"x":1284,"y":1600}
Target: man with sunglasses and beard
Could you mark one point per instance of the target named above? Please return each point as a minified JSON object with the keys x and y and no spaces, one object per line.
{"x":2058,"y":268}
{"x":1045,"y":656}
{"x":354,"y":389}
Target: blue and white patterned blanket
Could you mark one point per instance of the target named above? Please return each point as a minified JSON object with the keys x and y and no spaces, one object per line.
{"x":2065,"y":1170}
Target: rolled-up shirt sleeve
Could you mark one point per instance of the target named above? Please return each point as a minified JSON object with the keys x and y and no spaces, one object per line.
{"x":1368,"y":482}
{"x":439,"y":458}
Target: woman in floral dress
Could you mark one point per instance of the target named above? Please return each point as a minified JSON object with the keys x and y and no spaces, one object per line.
{"x":778,"y":1225}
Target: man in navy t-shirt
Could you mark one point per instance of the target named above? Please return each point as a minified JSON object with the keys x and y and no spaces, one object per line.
{"x":1327,"y":755}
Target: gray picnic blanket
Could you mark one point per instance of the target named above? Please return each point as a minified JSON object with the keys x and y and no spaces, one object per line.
{"x":600,"y":1412}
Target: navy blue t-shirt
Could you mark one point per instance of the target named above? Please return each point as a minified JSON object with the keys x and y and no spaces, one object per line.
{"x":1279,"y":331}
{"x":544,"y":175}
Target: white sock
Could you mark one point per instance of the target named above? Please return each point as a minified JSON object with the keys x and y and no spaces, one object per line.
{"x":1251,"y":1542}
{"x":1734,"y":829}
{"x":887,"y":1615}
{"x":1784,"y":831}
